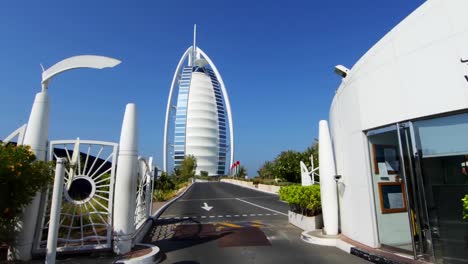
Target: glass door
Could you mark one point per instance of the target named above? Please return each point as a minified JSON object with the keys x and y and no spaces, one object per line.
{"x":414,"y":182}
{"x":401,"y":214}
{"x":389,"y":180}
{"x":442,"y":153}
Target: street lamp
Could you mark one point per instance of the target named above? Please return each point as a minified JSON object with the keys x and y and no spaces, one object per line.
{"x":37,"y":134}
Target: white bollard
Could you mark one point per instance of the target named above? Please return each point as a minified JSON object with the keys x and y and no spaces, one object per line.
{"x":55,"y":208}
{"x":36,"y":136}
{"x":327,"y":181}
{"x":125,"y":183}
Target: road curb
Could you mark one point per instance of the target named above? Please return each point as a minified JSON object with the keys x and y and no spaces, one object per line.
{"x":153,"y":256}
{"x":255,"y":189}
{"x":168,"y":203}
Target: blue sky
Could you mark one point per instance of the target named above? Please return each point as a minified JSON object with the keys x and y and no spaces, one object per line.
{"x":276,"y":58}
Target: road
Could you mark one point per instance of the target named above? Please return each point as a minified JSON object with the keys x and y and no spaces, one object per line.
{"x":242,"y":226}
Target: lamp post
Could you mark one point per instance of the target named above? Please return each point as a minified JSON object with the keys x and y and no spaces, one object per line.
{"x":36,"y":137}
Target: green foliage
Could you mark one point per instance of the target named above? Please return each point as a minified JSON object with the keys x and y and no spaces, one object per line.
{"x":286,"y":164}
{"x":164,"y":183}
{"x":465,"y":207}
{"x":302,"y":199}
{"x":162,"y":196}
{"x":204,"y":174}
{"x":267,"y":170}
{"x":242,"y":172}
{"x":186,"y":169}
{"x":21,"y":177}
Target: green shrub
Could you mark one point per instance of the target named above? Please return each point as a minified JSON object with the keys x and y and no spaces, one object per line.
{"x":21,"y":177}
{"x":465,"y":207}
{"x":203,"y":174}
{"x":302,"y":199}
{"x":162,"y":196}
{"x":164,"y":183}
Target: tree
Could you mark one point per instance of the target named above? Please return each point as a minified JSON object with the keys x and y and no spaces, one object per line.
{"x":313,"y":150}
{"x":188,"y":167}
{"x":21,"y":177}
{"x":267,"y":170}
{"x":242,"y":172}
{"x":286,"y":166}
{"x":204,"y":174}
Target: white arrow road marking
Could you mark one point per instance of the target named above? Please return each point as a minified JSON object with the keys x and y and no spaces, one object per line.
{"x":206,"y":207}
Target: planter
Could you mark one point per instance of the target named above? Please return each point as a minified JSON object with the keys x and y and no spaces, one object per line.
{"x":306,"y":223}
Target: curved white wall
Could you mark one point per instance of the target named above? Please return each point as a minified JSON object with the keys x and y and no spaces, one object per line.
{"x":202,"y":124}
{"x":414,"y":71}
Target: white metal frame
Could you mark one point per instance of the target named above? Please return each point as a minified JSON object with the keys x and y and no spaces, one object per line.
{"x":144,"y":192}
{"x":88,"y":170}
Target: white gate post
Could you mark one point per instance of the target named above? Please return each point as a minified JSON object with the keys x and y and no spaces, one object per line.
{"x":125,"y":183}
{"x":36,"y":137}
{"x":327,"y":181}
{"x":55,"y":208}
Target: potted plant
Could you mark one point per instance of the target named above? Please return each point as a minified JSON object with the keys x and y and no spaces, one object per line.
{"x":305,"y":207}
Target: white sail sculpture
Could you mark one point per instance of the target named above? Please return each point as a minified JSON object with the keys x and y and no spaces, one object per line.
{"x":200,"y":107}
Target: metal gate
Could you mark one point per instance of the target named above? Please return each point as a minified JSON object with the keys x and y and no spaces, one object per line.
{"x":86,"y":212}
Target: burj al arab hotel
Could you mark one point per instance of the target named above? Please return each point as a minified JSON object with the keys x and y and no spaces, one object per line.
{"x":199,"y":117}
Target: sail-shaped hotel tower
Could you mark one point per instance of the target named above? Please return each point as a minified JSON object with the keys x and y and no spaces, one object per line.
{"x":198,"y":115}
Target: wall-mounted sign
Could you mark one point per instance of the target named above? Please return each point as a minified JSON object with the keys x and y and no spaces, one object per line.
{"x":392,"y":197}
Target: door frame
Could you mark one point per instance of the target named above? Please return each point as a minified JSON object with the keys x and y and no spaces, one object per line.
{"x":410,"y":160}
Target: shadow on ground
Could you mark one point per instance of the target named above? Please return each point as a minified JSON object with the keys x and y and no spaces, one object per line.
{"x":171,"y":235}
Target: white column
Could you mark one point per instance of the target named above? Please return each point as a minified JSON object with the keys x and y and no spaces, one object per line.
{"x":55,"y":207}
{"x":36,"y":137}
{"x":327,"y":181}
{"x":125,"y":183}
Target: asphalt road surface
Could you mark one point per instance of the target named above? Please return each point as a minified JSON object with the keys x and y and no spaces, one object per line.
{"x":218,"y":222}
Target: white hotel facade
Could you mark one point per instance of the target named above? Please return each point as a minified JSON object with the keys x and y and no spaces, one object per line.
{"x":198,"y":115}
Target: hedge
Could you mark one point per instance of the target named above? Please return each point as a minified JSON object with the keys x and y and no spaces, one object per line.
{"x":302,"y":199}
{"x":465,"y":207}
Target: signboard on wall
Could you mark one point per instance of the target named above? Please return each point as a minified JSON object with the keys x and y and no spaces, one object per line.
{"x":392,"y":197}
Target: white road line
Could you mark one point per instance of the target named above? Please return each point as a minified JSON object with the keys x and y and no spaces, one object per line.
{"x":226,"y":198}
{"x":186,"y":217}
{"x":212,"y":216}
{"x":203,"y":216}
{"x":176,"y":217}
{"x":262,"y":207}
{"x":220,"y":215}
{"x":228,"y":215}
{"x":244,"y":215}
{"x":267,"y":214}
{"x":260,"y":214}
{"x":252,"y":214}
{"x":236,"y":215}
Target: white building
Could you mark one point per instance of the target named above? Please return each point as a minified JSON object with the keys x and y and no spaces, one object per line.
{"x":399,"y":128}
{"x":202,"y":115}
